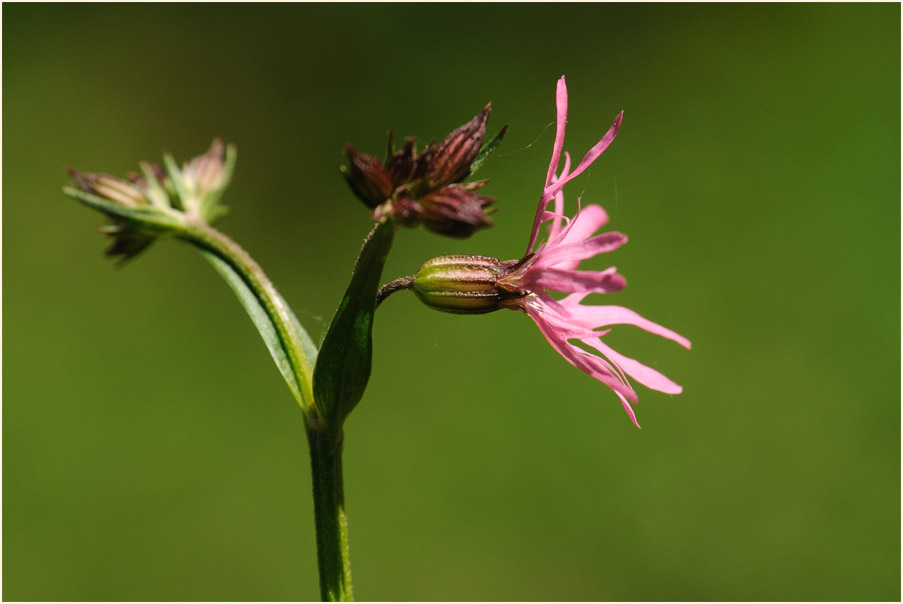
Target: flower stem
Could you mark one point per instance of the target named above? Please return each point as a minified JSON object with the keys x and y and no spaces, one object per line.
{"x":325,"y":440}
{"x":329,"y":515}
{"x":393,"y":286}
{"x":300,"y":350}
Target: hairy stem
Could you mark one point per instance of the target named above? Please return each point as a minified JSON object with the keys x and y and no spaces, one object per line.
{"x":324,"y":439}
{"x":393,"y":286}
{"x":329,"y":515}
{"x":301,"y":354}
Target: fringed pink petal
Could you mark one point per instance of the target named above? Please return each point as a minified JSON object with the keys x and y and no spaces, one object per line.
{"x":600,"y":147}
{"x":585,"y":222}
{"x":593,"y":217}
{"x":561,"y":105}
{"x":589,"y":364}
{"x":591,"y":156}
{"x":602,"y":316}
{"x":568,"y":256}
{"x":547,"y":216}
{"x":600,"y":369}
{"x":546,"y":310}
{"x":629,"y":410}
{"x":542,"y":213}
{"x":647,"y":376}
{"x":557,"y":318}
{"x":559,"y":202}
{"x":565,"y":280}
{"x":561,"y":118}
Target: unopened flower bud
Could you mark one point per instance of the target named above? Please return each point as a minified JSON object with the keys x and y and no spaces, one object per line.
{"x":127,"y":242}
{"x":456,"y":153}
{"x":129,"y":194}
{"x":207,"y":173}
{"x":455,"y":211}
{"x":412,"y":188}
{"x":403,"y":211}
{"x":132,"y":194}
{"x":367,"y":177}
{"x":462,"y":284}
{"x":406,"y":165}
{"x":156,"y":201}
{"x":196,"y":187}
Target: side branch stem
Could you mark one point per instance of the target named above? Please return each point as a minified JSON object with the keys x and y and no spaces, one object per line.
{"x":393,"y":286}
{"x":206,"y":237}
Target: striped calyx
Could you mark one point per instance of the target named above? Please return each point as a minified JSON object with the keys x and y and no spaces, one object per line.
{"x":463,"y":284}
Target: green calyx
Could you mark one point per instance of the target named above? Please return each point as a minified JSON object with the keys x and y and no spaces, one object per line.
{"x":462,"y":284}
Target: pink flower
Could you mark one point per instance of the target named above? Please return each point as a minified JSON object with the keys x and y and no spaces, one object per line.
{"x":552,"y":266}
{"x":469,"y":284}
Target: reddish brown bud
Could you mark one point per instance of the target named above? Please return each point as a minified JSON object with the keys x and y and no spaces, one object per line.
{"x":367,"y":177}
{"x":455,"y":211}
{"x":127,"y":243}
{"x":402,"y":210}
{"x":127,"y":193}
{"x":456,"y":153}
{"x":83,"y":180}
{"x":403,"y":165}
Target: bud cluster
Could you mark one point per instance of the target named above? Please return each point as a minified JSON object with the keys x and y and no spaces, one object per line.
{"x":141,"y":205}
{"x":425,"y":187}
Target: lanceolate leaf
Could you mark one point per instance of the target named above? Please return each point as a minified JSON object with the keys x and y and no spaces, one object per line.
{"x":487,"y":150}
{"x":343,"y":364}
{"x":146,"y":217}
{"x":265,"y":325}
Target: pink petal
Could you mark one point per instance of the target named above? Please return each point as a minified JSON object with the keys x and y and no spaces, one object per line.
{"x":556,"y":316}
{"x":589,"y":364}
{"x":569,"y":280}
{"x":561,"y":118}
{"x":586,"y":222}
{"x":559,"y":203}
{"x":590,"y":219}
{"x":568,"y":256}
{"x":600,"y":147}
{"x":645,"y":375}
{"x":602,"y":316}
{"x":561,"y":105}
{"x":591,"y":156}
{"x":629,"y":410}
{"x":599,"y":369}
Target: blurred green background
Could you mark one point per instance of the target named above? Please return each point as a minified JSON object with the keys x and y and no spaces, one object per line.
{"x":152,"y":452}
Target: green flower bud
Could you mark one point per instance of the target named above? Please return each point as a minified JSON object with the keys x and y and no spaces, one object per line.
{"x":156,"y":201}
{"x":463,"y":284}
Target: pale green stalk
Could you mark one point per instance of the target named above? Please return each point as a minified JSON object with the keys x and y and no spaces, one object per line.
{"x":325,"y":441}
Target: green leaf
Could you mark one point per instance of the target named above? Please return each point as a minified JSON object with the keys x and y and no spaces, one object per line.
{"x":343,"y":365}
{"x":156,"y":192}
{"x":487,"y":150}
{"x":264,"y":324}
{"x":150,"y":218}
{"x":184,"y":196}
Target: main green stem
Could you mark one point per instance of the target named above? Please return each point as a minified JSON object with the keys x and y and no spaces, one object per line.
{"x":329,"y":515}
